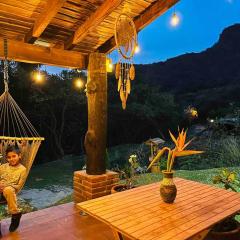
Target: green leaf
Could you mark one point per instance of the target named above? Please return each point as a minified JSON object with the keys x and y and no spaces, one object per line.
{"x":225,"y":172}
{"x":216,"y":179}
{"x":232,"y":177}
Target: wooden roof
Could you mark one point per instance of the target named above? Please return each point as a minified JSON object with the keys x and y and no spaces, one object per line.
{"x":68,"y":28}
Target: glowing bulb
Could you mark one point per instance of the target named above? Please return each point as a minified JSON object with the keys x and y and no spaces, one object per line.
{"x":137,"y":49}
{"x":109,"y":65}
{"x":175,"y":20}
{"x":78,"y":83}
{"x":211,"y":120}
{"x":38,"y":77}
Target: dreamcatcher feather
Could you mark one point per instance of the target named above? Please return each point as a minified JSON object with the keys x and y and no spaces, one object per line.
{"x":126,"y":42}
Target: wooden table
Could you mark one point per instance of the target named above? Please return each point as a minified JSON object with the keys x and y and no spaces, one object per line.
{"x":140,"y":213}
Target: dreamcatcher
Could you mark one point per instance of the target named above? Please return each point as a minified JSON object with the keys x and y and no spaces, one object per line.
{"x":126,"y":42}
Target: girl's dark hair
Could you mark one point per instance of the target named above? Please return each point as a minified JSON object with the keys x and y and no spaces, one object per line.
{"x":13,"y":149}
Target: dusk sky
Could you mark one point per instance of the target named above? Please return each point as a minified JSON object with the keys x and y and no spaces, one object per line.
{"x":201,"y":23}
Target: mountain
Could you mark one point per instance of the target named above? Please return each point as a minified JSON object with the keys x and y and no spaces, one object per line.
{"x":215,"y":67}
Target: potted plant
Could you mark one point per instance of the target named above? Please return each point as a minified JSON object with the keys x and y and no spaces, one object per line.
{"x":168,"y":190}
{"x":129,"y":174}
{"x":229,"y":228}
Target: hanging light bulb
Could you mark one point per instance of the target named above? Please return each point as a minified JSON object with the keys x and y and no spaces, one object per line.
{"x":137,"y":49}
{"x":174,"y":20}
{"x":38,"y":76}
{"x":78,"y":83}
{"x":109,"y":64}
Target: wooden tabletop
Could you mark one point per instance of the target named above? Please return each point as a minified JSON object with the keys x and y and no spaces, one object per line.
{"x":140,"y":213}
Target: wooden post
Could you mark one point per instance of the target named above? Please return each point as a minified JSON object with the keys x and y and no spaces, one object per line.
{"x":95,"y":138}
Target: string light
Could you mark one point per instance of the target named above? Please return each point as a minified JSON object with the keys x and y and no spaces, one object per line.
{"x":79,"y":83}
{"x":137,"y":49}
{"x":109,"y":65}
{"x":38,"y":76}
{"x":175,"y":20}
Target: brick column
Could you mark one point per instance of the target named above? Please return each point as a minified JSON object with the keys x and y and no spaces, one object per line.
{"x":86,"y":187}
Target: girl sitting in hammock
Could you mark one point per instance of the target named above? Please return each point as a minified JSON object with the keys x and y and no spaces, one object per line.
{"x":12,"y":176}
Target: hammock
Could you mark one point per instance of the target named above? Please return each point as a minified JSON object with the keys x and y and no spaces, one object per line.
{"x":15,"y":128}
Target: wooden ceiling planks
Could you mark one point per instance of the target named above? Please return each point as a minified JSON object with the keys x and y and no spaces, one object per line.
{"x":93,"y":21}
{"x":81,"y":25}
{"x":50,"y":10}
{"x":147,"y":16}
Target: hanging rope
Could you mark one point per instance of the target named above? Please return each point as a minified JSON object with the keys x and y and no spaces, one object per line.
{"x":5,"y":71}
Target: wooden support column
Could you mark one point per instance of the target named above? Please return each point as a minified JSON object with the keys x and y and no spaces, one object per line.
{"x":95,"y":138}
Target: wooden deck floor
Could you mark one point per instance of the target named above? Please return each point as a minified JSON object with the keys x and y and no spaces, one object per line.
{"x":57,"y":223}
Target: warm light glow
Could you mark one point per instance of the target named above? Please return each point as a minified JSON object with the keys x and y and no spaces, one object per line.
{"x":194,"y":113}
{"x":211,"y":120}
{"x":137,"y":49}
{"x":174,"y":20}
{"x":109,"y":65}
{"x":78,"y":83}
{"x":38,"y":77}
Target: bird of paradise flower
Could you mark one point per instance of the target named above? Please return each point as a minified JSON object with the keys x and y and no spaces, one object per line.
{"x":178,"y":151}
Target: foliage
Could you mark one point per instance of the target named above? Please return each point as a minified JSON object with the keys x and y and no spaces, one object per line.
{"x":230,"y":180}
{"x":129,"y":171}
{"x":178,"y":151}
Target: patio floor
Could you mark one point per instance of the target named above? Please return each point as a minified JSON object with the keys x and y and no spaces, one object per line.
{"x":57,"y":223}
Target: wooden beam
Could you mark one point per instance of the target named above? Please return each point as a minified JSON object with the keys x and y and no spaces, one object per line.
{"x":151,"y":13}
{"x":25,"y":52}
{"x":93,"y":21}
{"x":50,"y":10}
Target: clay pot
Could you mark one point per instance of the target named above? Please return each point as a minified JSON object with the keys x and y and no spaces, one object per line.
{"x":168,"y":190}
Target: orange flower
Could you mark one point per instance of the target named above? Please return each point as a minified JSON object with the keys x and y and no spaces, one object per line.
{"x":178,"y":151}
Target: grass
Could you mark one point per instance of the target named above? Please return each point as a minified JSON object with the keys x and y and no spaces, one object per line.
{"x":204,"y":176}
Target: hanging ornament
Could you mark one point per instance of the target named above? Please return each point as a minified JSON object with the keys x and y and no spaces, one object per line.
{"x":126,"y":42}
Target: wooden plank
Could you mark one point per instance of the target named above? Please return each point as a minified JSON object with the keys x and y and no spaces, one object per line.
{"x":94,"y":20}
{"x":162,"y":211}
{"x":196,"y":205}
{"x":21,"y":5}
{"x":183,"y":231}
{"x":153,"y":216}
{"x":25,"y":52}
{"x":178,"y":223}
{"x":50,"y":10}
{"x":136,"y":200}
{"x":151,"y":13}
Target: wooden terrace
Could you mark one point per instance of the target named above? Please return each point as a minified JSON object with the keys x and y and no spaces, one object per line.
{"x":57,"y":223}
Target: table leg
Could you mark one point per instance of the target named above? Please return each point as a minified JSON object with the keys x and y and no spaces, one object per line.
{"x":117,"y":235}
{"x":201,"y":235}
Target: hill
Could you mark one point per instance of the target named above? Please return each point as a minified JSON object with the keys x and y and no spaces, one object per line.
{"x":215,"y":67}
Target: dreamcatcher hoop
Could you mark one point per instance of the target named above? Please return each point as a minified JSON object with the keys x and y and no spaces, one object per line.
{"x":125,"y":36}
{"x":126,"y":42}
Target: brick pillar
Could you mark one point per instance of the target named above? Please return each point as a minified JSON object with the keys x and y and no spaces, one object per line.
{"x":86,"y":187}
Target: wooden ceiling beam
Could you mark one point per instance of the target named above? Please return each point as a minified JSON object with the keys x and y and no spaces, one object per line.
{"x":151,"y":13}
{"x":93,"y":21}
{"x":50,"y":10}
{"x":25,"y":52}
